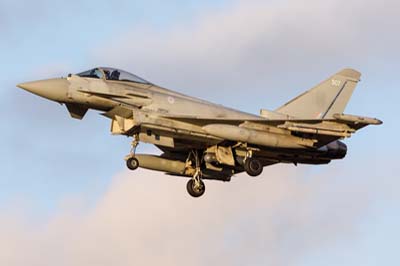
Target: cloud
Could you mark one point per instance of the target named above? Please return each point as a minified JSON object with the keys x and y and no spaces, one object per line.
{"x":265,"y":46}
{"x":148,"y":219}
{"x":244,"y":53}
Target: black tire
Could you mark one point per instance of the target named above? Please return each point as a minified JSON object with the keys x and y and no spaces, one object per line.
{"x":253,"y":167}
{"x":132,"y":163}
{"x":193,"y":191}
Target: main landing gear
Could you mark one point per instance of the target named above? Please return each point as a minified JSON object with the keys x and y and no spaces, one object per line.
{"x":252,"y":166}
{"x":196,"y":186}
{"x":131,"y":162}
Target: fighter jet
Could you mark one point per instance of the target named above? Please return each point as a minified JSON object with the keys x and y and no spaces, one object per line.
{"x":205,"y":141}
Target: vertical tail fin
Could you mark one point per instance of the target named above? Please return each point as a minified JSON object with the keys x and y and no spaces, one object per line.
{"x":326,"y":99}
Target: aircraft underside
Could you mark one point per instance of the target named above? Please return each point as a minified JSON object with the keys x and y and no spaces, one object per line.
{"x":199,"y":160}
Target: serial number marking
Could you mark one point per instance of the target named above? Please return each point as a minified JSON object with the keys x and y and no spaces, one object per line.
{"x":336,"y":82}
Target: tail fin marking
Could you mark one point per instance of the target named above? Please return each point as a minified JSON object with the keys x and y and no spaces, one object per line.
{"x":326,"y":99}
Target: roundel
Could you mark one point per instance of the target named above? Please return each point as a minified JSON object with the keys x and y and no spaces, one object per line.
{"x":171,"y":100}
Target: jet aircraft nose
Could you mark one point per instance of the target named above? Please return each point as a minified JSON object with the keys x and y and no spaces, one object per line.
{"x":52,"y":89}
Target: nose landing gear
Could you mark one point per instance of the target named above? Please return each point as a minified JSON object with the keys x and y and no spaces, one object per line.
{"x":131,"y":162}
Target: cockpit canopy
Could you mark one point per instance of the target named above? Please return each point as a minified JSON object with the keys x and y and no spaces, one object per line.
{"x":109,"y":73}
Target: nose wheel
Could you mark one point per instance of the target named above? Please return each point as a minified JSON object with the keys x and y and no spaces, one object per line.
{"x":131,"y":162}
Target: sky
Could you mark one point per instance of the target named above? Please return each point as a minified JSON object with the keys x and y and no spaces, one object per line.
{"x":67,"y":199}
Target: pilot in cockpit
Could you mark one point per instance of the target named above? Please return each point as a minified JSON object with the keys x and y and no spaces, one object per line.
{"x":115,"y":75}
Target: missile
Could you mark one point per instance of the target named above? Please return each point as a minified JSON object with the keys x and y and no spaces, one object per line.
{"x":256,"y":137}
{"x":157,"y":163}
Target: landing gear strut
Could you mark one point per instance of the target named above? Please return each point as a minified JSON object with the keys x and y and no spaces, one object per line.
{"x":131,"y":162}
{"x":196,"y":186}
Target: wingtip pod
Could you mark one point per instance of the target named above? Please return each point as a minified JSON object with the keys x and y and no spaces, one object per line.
{"x":350,"y":73}
{"x":358,"y":119}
